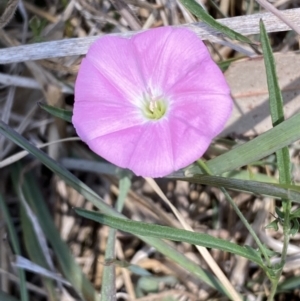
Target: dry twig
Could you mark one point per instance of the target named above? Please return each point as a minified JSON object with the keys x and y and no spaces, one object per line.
{"x":8,"y":12}
{"x":246,"y":25}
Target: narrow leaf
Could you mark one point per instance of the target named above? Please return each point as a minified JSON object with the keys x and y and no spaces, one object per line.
{"x":70,"y":268}
{"x":276,"y":102}
{"x":275,"y":190}
{"x":57,"y":112}
{"x":108,"y":287}
{"x":279,"y":213}
{"x":276,"y":105}
{"x":265,"y":144}
{"x":272,"y":225}
{"x":289,"y":284}
{"x":16,"y":248}
{"x":145,"y":229}
{"x":197,"y":10}
{"x":294,"y":227}
{"x":30,"y":239}
{"x":295,"y":213}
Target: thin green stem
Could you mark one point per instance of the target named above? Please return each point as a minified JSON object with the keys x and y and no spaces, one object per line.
{"x":247,"y":225}
{"x":108,"y":287}
{"x":240,"y":215}
{"x":286,"y":231}
{"x":273,"y":289}
{"x":286,"y":239}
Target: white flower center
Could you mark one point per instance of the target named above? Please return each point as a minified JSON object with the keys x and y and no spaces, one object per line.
{"x":154,"y":107}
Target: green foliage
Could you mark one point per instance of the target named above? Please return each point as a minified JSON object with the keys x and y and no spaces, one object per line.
{"x":280,"y":214}
{"x":290,"y":227}
{"x":32,"y":244}
{"x":276,"y":106}
{"x":273,"y":225}
{"x":151,"y":230}
{"x":260,"y":147}
{"x":256,"y":187}
{"x":295,"y":213}
{"x":108,"y":287}
{"x":70,"y":268}
{"x":37,"y":25}
{"x":196,"y":9}
{"x":90,"y":195}
{"x":294,"y":226}
{"x":57,"y":112}
{"x":17,"y":250}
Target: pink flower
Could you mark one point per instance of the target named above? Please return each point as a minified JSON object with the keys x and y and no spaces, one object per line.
{"x":151,"y":103}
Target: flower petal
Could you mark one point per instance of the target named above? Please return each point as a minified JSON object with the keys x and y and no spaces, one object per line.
{"x":153,"y":154}
{"x":99,"y":108}
{"x":92,"y":120}
{"x":189,"y":144}
{"x":115,"y":59}
{"x":205,"y":113}
{"x":91,"y":85}
{"x":166,"y":54}
{"x":117,"y":147}
{"x":146,"y":150}
{"x":204,"y":78}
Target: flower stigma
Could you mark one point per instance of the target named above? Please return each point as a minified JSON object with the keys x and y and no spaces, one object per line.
{"x":154,"y":107}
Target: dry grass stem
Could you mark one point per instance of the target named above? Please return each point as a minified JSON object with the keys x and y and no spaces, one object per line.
{"x":268,"y":6}
{"x":202,"y":250}
{"x":246,"y":25}
{"x":8,"y":12}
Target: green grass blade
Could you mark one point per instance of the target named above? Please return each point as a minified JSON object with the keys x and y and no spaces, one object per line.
{"x":274,"y":190}
{"x":240,"y":215}
{"x":289,"y":284}
{"x":276,"y":102}
{"x":276,"y":105}
{"x":70,"y":268}
{"x":284,"y":165}
{"x":57,"y":112}
{"x":145,"y":229}
{"x":282,"y":155}
{"x":265,"y":144}
{"x":36,"y":254}
{"x":90,"y":195}
{"x":224,"y":65}
{"x":197,"y":10}
{"x":16,"y":247}
{"x":124,"y":187}
{"x":30,"y":240}
{"x":108,"y":286}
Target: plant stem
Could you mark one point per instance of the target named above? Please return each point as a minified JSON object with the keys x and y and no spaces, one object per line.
{"x":286,"y":240}
{"x":286,"y":233}
{"x":240,"y":215}
{"x":247,"y":225}
{"x":273,"y":289}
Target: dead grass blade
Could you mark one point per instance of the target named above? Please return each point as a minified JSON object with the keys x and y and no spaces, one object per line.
{"x":245,"y":25}
{"x":8,"y":12}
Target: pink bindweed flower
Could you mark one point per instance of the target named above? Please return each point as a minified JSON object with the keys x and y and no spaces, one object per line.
{"x":151,"y":103}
